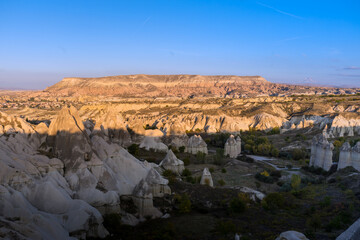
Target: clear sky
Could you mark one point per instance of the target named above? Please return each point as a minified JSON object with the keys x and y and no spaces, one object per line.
{"x":307,"y":41}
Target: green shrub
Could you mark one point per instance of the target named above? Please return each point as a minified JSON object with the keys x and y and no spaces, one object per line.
{"x":225,"y":227}
{"x":326,"y":202}
{"x":186,"y":172}
{"x":182,"y":149}
{"x":275,"y":130}
{"x":170,"y":175}
{"x":186,"y":161}
{"x":219,"y":157}
{"x":314,"y":222}
{"x":273,"y":201}
{"x":112,"y":221}
{"x":211,"y":170}
{"x":200,"y":157}
{"x":184,"y":203}
{"x":299,"y":153}
{"x":295,"y":182}
{"x":134,"y":149}
{"x":264,"y":177}
{"x":237,"y":205}
{"x":223,"y":170}
{"x":221,"y":182}
{"x":275,"y":152}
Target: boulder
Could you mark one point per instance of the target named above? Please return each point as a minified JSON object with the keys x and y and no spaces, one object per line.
{"x":292,"y":235}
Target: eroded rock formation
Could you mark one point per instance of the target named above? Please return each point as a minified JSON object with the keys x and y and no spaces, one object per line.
{"x":171,"y":162}
{"x":60,"y":189}
{"x":349,"y":156}
{"x":206,"y":178}
{"x":196,"y":144}
{"x":321,"y":153}
{"x":232,"y":146}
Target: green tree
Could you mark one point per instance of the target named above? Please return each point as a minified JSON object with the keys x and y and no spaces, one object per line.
{"x":295,"y":181}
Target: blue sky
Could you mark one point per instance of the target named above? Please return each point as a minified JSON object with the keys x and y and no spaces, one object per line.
{"x":297,"y":42}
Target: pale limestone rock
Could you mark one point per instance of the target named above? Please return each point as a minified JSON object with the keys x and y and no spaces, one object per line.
{"x":152,"y":141}
{"x":292,"y":235}
{"x":321,"y":153}
{"x":179,"y":141}
{"x":113,"y":126}
{"x":206,"y":178}
{"x":345,"y":156}
{"x":37,"y":181}
{"x":157,"y":183}
{"x":232,"y":146}
{"x":349,"y":156}
{"x":143,"y":199}
{"x":196,"y":144}
{"x":171,"y":162}
{"x":69,"y":140}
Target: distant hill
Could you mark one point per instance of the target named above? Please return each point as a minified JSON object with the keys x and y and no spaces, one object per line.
{"x":174,"y":86}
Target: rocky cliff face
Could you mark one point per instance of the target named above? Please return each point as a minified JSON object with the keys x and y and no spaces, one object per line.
{"x":57,"y":196}
{"x":349,"y":156}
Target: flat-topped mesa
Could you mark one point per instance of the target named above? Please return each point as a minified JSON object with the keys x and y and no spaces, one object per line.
{"x":321,"y":153}
{"x":232,"y":147}
{"x":349,"y":156}
{"x":158,"y":85}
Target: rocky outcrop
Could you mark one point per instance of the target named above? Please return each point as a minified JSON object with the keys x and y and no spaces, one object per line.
{"x":113,"y":127}
{"x":232,"y":146}
{"x":345,"y":126}
{"x":292,"y":235}
{"x":321,"y":153}
{"x":171,"y":162}
{"x":349,"y":156}
{"x":69,"y":141}
{"x":206,"y":178}
{"x":152,"y":141}
{"x":196,"y":144}
{"x":60,"y":193}
{"x":143,"y":199}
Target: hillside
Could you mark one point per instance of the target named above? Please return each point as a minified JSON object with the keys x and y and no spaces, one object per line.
{"x":172,"y":86}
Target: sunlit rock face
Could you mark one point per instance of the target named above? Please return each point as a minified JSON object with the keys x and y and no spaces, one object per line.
{"x":321,"y":153}
{"x":342,"y":126}
{"x":206,"y":178}
{"x":113,"y":127}
{"x":171,"y":162}
{"x":152,"y":141}
{"x":69,"y":140}
{"x":232,"y":146}
{"x":349,"y":156}
{"x":196,"y":144}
